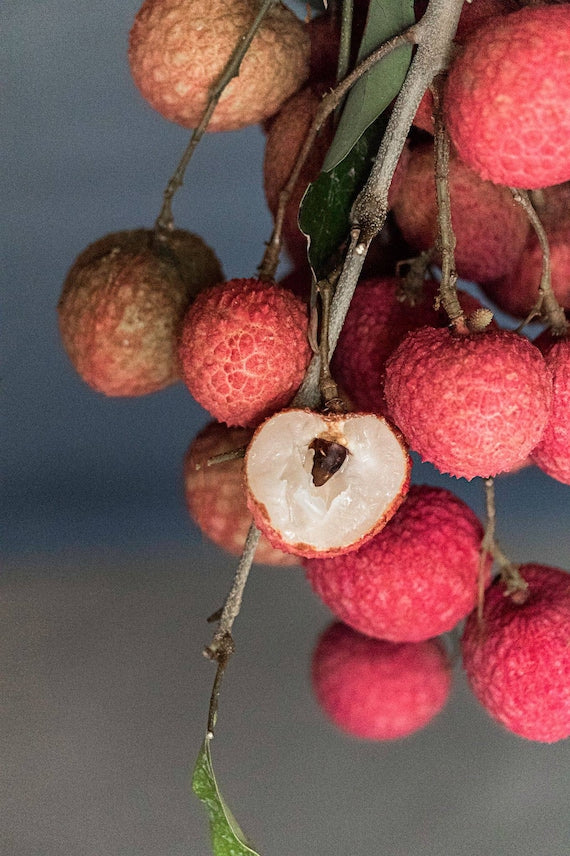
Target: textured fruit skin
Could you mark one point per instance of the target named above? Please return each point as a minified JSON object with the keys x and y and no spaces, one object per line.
{"x":517,"y":293}
{"x":122,"y":303}
{"x":244,"y":350}
{"x":552,"y":454}
{"x":490,"y":228}
{"x":507,"y":98}
{"x":178,"y":49}
{"x":415,"y":579}
{"x":471,"y":405}
{"x":518,"y":661}
{"x":215,"y":495}
{"x":375,"y":325}
{"x":379,"y":690}
{"x":262,"y":518}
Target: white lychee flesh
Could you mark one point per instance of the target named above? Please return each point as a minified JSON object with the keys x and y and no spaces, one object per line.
{"x":348,"y":509}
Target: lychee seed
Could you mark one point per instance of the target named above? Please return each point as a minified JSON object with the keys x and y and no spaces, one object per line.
{"x":379,"y":690}
{"x":324,"y":509}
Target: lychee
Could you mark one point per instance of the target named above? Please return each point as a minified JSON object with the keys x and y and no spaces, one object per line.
{"x":507,"y":98}
{"x":379,"y":690}
{"x":552,"y":454}
{"x":122,"y":304}
{"x":324,"y":483}
{"x":517,"y":660}
{"x":415,"y":579}
{"x":490,"y":228}
{"x":376,"y":323}
{"x":179,"y":48}
{"x":244,"y":349}
{"x":472,"y":405}
{"x":215,"y":494}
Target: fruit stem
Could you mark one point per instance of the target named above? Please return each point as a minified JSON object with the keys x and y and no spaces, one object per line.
{"x":345,"y":39}
{"x":328,"y":387}
{"x":547,"y":304}
{"x":165,"y":220}
{"x":447,"y":294}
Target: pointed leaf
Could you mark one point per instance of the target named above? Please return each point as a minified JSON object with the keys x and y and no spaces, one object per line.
{"x":227,"y":837}
{"x":370,"y":96}
{"x":324,"y":215}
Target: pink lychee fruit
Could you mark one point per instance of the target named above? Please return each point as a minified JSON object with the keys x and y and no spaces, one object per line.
{"x":517,"y":660}
{"x":179,"y":48}
{"x":552,"y":454}
{"x":215,"y":493}
{"x":517,"y":292}
{"x":490,"y":228}
{"x":322,"y":484}
{"x":376,"y":323}
{"x":507,"y":98}
{"x":244,"y":349}
{"x":379,"y":690}
{"x":415,"y":579}
{"x":122,"y":304}
{"x":472,"y":405}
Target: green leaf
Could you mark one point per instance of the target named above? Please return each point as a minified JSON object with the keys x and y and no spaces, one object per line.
{"x":370,"y":96}
{"x":227,"y":837}
{"x":324,"y":215}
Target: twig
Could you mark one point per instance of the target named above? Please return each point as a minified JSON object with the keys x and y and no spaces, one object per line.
{"x":547,"y":303}
{"x":165,"y":220}
{"x":345,"y":39}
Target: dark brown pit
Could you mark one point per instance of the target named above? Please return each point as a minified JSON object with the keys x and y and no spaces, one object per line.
{"x":329,"y":458}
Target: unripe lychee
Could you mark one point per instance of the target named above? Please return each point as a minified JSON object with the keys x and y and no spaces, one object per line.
{"x":379,"y":690}
{"x":490,"y":228}
{"x":507,"y":98}
{"x":552,"y":454}
{"x":122,"y":305}
{"x":324,"y":483}
{"x":415,"y":579}
{"x":517,"y":292}
{"x":517,"y":659}
{"x":244,"y":349}
{"x":472,"y":405}
{"x":376,"y":323}
{"x":215,"y":494}
{"x":179,"y":48}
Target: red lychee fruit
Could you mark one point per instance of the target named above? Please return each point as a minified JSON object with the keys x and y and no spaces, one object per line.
{"x":490,"y":228}
{"x":324,"y":483}
{"x":517,"y":293}
{"x":122,"y":305}
{"x":244,"y":350}
{"x":179,"y":48}
{"x":415,"y":579}
{"x":517,"y":660}
{"x":472,"y":405}
{"x":507,"y":98}
{"x":376,"y":323}
{"x":379,"y":690}
{"x":215,"y":494}
{"x":552,"y":454}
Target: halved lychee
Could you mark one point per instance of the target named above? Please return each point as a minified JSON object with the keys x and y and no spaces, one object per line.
{"x":324,"y":484}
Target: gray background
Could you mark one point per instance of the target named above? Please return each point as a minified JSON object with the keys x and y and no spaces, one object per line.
{"x":106,"y":582}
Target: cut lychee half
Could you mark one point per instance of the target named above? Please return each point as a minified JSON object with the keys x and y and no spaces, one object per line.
{"x":324,"y":484}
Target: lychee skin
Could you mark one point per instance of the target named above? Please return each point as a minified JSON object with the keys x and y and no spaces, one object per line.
{"x":122,"y":304}
{"x":244,"y":350}
{"x":507,"y":98}
{"x":379,"y":690}
{"x":179,"y":48}
{"x":552,"y":454}
{"x":517,"y":660}
{"x":215,"y":495}
{"x":415,"y":579}
{"x":376,"y":323}
{"x":472,"y":405}
{"x":490,"y":228}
